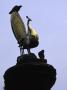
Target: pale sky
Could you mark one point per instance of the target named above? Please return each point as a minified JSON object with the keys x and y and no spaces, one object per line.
{"x":49,"y":18}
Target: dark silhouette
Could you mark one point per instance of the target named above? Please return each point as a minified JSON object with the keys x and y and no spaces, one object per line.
{"x":28,"y":20}
{"x":41,"y":54}
{"x":15,"y":9}
{"x":42,"y":57}
{"x":29,"y":74}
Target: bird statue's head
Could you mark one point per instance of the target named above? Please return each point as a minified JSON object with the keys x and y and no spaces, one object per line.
{"x":15,"y":9}
{"x":28,"y":20}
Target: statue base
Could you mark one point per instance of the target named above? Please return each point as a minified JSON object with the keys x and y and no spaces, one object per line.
{"x":30,"y":73}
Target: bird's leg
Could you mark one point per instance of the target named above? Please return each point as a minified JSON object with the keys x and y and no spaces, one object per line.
{"x":21,"y":51}
{"x":28,"y":50}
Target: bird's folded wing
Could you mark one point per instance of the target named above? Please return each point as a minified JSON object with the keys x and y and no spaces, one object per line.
{"x":33,"y":32}
{"x":18,"y":26}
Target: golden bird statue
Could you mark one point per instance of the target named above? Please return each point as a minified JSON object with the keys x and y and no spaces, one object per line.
{"x":26,"y":40}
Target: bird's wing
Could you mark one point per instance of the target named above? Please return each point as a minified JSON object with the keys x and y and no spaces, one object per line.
{"x":18,"y":26}
{"x":33,"y":32}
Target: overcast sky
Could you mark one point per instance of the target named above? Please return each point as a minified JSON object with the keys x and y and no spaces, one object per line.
{"x":49,"y":18}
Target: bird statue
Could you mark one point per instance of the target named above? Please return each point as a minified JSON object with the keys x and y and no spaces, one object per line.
{"x":32,"y":35}
{"x":26,"y":40}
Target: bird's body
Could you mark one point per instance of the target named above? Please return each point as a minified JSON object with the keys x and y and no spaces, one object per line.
{"x":25,"y":40}
{"x":33,"y":37}
{"x":18,"y":27}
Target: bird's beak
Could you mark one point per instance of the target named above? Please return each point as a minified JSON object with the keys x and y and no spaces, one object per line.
{"x":20,"y":6}
{"x":10,"y":12}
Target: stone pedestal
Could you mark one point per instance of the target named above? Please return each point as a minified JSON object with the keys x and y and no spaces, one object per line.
{"x":30,"y":73}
